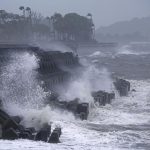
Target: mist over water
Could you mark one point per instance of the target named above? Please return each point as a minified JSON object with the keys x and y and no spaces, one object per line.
{"x":90,"y":80}
{"x":120,"y":49}
{"x":22,"y":94}
{"x":122,"y":125}
{"x":134,"y":48}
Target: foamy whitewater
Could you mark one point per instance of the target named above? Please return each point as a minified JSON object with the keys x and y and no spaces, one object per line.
{"x":125,"y":124}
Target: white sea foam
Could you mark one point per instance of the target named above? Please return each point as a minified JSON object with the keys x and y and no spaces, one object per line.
{"x":134,"y":49}
{"x":22,"y":94}
{"x":97,"y":132}
{"x":126,"y":110}
{"x":83,"y":135}
{"x":97,"y":54}
{"x":90,"y":79}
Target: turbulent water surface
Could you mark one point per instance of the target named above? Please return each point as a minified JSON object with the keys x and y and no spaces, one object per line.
{"x":125,"y":124}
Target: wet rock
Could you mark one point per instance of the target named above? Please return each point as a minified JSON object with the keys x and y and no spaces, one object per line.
{"x":99,"y":97}
{"x":80,"y":110}
{"x":0,"y":131}
{"x":58,"y":130}
{"x":61,"y":105}
{"x":10,"y":124}
{"x":21,"y":128}
{"x":17,"y":119}
{"x":1,"y":103}
{"x":25,"y":135}
{"x":10,"y":134}
{"x":31,"y":132}
{"x":3,"y":117}
{"x":43,"y":133}
{"x":54,"y":138}
{"x":72,"y":105}
{"x":110,"y":97}
{"x":102,"y":97}
{"x":122,"y":86}
{"x":28,"y":131}
{"x":31,"y":129}
{"x":83,"y":110}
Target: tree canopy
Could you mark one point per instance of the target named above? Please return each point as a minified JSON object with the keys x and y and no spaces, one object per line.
{"x":73,"y":27}
{"x":70,"y":27}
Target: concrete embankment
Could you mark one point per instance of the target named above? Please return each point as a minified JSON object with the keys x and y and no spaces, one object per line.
{"x":0,"y":131}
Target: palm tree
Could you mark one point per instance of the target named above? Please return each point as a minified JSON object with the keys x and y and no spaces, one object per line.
{"x":3,"y":15}
{"x":28,"y":9}
{"x":92,"y":24}
{"x":49,"y":24}
{"x":22,"y":9}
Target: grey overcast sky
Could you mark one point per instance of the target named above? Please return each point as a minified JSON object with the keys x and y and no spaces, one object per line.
{"x":105,"y":12}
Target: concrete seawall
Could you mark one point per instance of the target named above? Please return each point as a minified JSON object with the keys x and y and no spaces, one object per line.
{"x":0,"y":131}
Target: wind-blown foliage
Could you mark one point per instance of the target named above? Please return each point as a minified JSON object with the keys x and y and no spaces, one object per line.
{"x":31,"y":25}
{"x":73,"y":27}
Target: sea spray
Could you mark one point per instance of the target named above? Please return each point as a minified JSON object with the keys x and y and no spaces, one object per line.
{"x":22,"y":93}
{"x":90,"y":79}
{"x":37,"y":117}
{"x":19,"y":85}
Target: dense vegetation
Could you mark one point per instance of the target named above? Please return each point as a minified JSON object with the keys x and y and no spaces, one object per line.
{"x":31,"y":25}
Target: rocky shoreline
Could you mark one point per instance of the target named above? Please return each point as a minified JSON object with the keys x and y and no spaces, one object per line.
{"x":11,"y":127}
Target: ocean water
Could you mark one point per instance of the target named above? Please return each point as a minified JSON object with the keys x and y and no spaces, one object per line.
{"x":123,"y":125}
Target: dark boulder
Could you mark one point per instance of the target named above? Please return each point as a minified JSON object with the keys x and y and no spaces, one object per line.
{"x":110,"y":97}
{"x":61,"y":105}
{"x":32,"y":132}
{"x":10,"y":124}
{"x":82,"y":110}
{"x":58,"y":130}
{"x":17,"y":119}
{"x":31,"y":129}
{"x":43,"y":133}
{"x":0,"y":131}
{"x":83,"y":116}
{"x":3,"y":116}
{"x":122,"y":86}
{"x":21,"y":128}
{"x":1,"y":103}
{"x":102,"y":97}
{"x":72,"y":105}
{"x":25,"y":135}
{"x":10,"y":134}
{"x":54,"y":138}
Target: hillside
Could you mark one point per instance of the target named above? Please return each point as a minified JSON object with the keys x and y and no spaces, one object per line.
{"x":137,"y":29}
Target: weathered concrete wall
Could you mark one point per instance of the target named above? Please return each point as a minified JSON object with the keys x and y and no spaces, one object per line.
{"x":0,"y":131}
{"x":56,"y":68}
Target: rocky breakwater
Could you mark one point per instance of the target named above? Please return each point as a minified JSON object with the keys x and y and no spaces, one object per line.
{"x":100,"y":98}
{"x":122,"y":86}
{"x":11,"y":129}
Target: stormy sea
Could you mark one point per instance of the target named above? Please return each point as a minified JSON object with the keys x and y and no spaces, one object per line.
{"x":123,"y":124}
